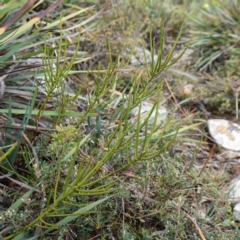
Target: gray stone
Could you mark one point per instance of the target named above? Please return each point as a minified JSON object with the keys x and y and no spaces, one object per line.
{"x":234,"y":193}
{"x":225,"y":133}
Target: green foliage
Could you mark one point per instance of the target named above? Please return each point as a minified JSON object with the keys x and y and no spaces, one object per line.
{"x":222,"y":102}
{"x":216,"y":32}
{"x":68,"y":179}
{"x":102,"y":172}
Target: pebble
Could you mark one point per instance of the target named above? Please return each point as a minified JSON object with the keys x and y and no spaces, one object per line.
{"x":225,"y":133}
{"x":146,"y":108}
{"x":235,"y":193}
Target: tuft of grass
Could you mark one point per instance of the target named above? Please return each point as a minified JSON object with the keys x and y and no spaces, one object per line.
{"x":216,"y":32}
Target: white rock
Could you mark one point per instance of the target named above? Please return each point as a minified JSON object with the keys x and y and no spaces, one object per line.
{"x":146,"y":109}
{"x":234,"y":192}
{"x":140,"y":56}
{"x":225,"y":133}
{"x":185,"y":56}
{"x":236,"y":211}
{"x":235,"y":188}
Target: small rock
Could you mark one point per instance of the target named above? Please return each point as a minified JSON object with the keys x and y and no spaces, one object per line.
{"x":225,"y":133}
{"x":236,"y":211}
{"x":235,"y":188}
{"x":227,"y":154}
{"x":185,"y":56}
{"x":146,"y":108}
{"x":186,"y":90}
{"x":235,"y":193}
{"x":140,"y":56}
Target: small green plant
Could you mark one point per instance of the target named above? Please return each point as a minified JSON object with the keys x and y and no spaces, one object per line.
{"x":70,"y":180}
{"x":106,"y":170}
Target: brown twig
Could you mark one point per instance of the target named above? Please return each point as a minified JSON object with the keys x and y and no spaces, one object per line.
{"x":32,"y":148}
{"x":175,"y":100}
{"x":208,"y":159}
{"x":30,"y":128}
{"x":196,"y":225}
